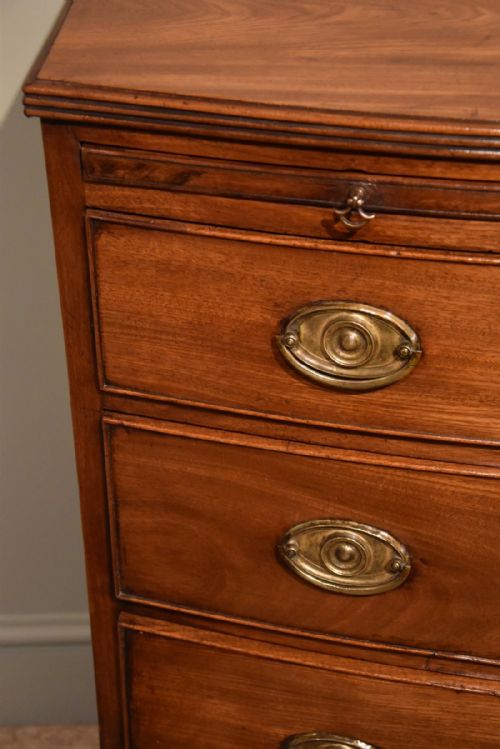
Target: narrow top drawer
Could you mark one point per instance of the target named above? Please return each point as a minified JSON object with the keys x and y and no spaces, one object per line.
{"x":411,"y":211}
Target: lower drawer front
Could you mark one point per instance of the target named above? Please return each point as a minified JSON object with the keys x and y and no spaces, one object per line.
{"x":199,"y":517}
{"x":190,"y":689}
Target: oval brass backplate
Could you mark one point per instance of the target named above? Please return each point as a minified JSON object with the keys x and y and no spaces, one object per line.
{"x":324,"y":741}
{"x":345,"y":557}
{"x":349,"y":345}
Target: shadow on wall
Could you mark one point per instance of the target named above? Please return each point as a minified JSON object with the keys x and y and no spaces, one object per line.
{"x":45,"y":656}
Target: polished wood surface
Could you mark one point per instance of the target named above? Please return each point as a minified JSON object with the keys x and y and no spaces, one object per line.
{"x":328,"y":187}
{"x":403,"y":450}
{"x":464,"y":164}
{"x":190,"y":314}
{"x":412,"y":212}
{"x":238,"y":693}
{"x":67,"y":206}
{"x":437,"y":59}
{"x":197,"y":519}
{"x":195,"y":155}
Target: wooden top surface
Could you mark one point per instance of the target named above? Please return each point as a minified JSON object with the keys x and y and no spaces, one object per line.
{"x":436,"y":60}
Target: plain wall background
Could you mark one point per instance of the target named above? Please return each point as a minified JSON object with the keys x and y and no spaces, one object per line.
{"x":45,"y":658}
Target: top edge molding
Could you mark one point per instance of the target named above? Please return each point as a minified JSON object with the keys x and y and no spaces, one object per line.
{"x":90,"y":70}
{"x":72,"y":96}
{"x":53,"y":100}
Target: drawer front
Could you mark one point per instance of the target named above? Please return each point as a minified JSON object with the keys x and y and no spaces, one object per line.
{"x":246,"y":694}
{"x":201,"y":519}
{"x":193,"y":315}
{"x":440,"y":213}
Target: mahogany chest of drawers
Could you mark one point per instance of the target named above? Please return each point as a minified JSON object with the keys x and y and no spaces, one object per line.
{"x":277,"y":234}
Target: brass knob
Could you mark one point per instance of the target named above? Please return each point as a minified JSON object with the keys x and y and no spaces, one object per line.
{"x":344,"y":556}
{"x":324,"y":741}
{"x":349,"y":345}
{"x":353,"y":215}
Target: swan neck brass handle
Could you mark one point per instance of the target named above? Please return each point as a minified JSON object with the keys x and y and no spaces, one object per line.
{"x":344,"y":556}
{"x":353,"y":214}
{"x":324,"y":741}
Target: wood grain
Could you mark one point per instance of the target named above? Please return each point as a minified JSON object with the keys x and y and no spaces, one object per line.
{"x":432,"y":448}
{"x":363,"y":157}
{"x":244,"y":123}
{"x":361,"y":653}
{"x":399,"y":194}
{"x":197,"y":518}
{"x":190,"y":314}
{"x":287,"y":649}
{"x":237,"y":693}
{"x":296,"y":219}
{"x":443,"y":214}
{"x":431,"y":60}
{"x":65,"y":186}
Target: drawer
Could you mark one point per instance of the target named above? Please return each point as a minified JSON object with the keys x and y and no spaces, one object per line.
{"x":418,"y":212}
{"x":193,"y":314}
{"x":192,"y":689}
{"x":201,"y":519}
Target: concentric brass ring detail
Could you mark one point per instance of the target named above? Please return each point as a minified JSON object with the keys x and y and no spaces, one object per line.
{"x":345,"y":557}
{"x":349,"y":345}
{"x":324,"y":741}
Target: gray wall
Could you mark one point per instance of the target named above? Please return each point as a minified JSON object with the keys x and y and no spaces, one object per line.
{"x":45,"y":658}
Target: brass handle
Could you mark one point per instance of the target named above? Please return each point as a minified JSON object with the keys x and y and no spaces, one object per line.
{"x":324,"y":741}
{"x":349,"y":345}
{"x":354,"y":215}
{"x":345,"y":557}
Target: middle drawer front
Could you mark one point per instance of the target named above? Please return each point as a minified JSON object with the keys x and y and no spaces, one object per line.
{"x":193,"y":314}
{"x":198,"y":516}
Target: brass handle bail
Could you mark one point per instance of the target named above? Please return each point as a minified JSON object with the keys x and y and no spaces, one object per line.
{"x":349,"y":345}
{"x":354,"y":216}
{"x":344,"y":556}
